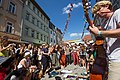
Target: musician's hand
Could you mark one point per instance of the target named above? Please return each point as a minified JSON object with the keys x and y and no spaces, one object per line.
{"x":94,"y":29}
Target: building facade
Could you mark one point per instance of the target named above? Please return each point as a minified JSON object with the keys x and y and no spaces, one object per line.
{"x":59,"y":36}
{"x":52,"y":33}
{"x":25,"y":21}
{"x":35,"y":27}
{"x":10,"y":18}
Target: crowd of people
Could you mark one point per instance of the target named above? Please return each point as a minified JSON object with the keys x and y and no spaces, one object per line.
{"x":30,"y":62}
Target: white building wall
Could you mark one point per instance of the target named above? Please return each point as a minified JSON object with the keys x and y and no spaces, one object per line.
{"x":41,"y":24}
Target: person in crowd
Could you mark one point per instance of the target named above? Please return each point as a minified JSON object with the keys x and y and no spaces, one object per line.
{"x":83,"y":55}
{"x":56,"y":56}
{"x":12,"y":50}
{"x":112,"y":34}
{"x":67,"y":53}
{"x":53,"y":55}
{"x":39,"y":58}
{"x":4,"y":47}
{"x":57,"y":48}
{"x":30,"y":49}
{"x":75,"y":55}
{"x":45,"y":58}
{"x":34,"y":57}
{"x":23,"y":66}
{"x":40,"y":52}
{"x":62,"y":60}
{"x":20,"y":52}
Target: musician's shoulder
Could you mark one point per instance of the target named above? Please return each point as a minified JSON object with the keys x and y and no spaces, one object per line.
{"x":117,"y":11}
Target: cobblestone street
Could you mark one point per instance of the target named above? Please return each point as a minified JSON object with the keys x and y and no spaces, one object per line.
{"x":72,"y":71}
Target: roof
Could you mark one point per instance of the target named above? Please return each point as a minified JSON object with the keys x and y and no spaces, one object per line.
{"x":87,"y":37}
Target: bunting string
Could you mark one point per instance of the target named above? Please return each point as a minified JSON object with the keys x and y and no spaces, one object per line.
{"x":68,"y":19}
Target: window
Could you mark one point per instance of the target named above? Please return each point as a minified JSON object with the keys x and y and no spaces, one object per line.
{"x":34,"y":8}
{"x":41,"y":15}
{"x":47,"y":29}
{"x":0,"y":2}
{"x":33,"y":20}
{"x":41,"y":37}
{"x":44,"y":28}
{"x":38,"y":12}
{"x":32,"y":33}
{"x":27,"y":16}
{"x":47,"y":21}
{"x":51,"y":39}
{"x":51,"y":32}
{"x":41,"y":25}
{"x":38,"y":23}
{"x":54,"y":34}
{"x":29,"y":3}
{"x":9,"y":27}
{"x":44,"y":38}
{"x":26,"y":31}
{"x":37,"y":35}
{"x":12,"y":7}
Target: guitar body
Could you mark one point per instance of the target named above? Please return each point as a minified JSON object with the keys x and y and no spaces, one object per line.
{"x":95,"y":77}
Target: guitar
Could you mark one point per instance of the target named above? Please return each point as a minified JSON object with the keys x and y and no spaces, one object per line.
{"x":86,"y":6}
{"x":100,"y":50}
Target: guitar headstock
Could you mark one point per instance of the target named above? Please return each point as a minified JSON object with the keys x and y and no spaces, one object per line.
{"x":87,"y":6}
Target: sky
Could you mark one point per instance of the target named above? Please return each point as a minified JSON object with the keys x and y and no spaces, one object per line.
{"x":57,"y":11}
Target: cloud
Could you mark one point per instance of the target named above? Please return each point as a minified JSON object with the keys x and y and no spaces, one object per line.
{"x":77,"y":34}
{"x":77,"y":5}
{"x":67,"y":9}
{"x":74,"y":34}
{"x":84,"y":34}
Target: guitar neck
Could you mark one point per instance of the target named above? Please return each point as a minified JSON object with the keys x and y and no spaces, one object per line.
{"x":88,"y":20}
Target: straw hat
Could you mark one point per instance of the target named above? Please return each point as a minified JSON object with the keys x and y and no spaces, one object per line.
{"x":99,"y":4}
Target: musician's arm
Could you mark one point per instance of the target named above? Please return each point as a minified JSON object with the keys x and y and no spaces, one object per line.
{"x":107,"y":33}
{"x":111,"y":33}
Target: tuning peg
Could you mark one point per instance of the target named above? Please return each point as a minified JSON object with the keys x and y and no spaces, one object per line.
{"x":88,"y":4}
{"x":88,"y":7}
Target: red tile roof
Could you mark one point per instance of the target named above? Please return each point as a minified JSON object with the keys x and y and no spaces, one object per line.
{"x":87,"y":37}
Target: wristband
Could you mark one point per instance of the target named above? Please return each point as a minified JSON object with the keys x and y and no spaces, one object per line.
{"x":99,"y":33}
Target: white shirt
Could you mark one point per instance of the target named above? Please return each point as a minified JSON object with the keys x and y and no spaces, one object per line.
{"x":113,"y":44}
